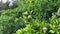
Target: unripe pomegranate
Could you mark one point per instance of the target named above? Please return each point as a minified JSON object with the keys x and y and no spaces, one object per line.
{"x":45,"y":29}
{"x":25,"y":13}
{"x":29,"y":16}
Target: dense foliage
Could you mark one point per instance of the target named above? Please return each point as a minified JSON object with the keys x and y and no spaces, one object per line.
{"x":31,"y":17}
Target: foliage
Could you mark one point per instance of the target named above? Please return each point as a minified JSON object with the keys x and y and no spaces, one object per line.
{"x":31,"y":17}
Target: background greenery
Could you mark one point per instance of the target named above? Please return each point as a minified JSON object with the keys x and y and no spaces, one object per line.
{"x":31,"y":17}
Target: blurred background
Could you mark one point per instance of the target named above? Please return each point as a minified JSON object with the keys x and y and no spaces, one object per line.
{"x":30,"y":17}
